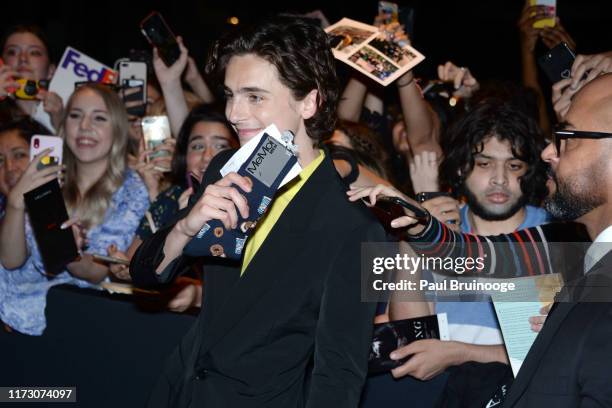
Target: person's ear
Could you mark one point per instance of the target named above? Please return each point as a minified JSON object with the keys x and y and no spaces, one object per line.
{"x":310,"y":104}
{"x":51,"y":71}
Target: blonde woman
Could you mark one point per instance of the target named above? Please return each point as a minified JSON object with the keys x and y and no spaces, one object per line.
{"x":101,"y":192}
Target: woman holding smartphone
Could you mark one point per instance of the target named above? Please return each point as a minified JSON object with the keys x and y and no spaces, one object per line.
{"x":101,"y":192}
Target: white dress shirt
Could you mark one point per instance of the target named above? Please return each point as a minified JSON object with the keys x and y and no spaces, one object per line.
{"x":600,"y":247}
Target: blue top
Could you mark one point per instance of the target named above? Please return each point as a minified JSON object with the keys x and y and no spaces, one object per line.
{"x":476,"y":322}
{"x":23,"y":291}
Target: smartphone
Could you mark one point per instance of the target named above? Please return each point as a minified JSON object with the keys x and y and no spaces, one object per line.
{"x":38,"y":143}
{"x":557,"y":62}
{"x":551,"y":11}
{"x":387,"y":209}
{"x":159,"y":35}
{"x":47,"y":212}
{"x":132,"y":70}
{"x":428,"y":195}
{"x":155,"y":130}
{"x":110,"y":259}
{"x":133,"y":74}
{"x":395,"y":203}
{"x":135,"y":90}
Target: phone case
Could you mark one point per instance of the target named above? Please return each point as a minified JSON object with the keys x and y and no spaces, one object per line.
{"x":132,"y":70}
{"x":158,"y":33}
{"x":155,"y":129}
{"x":428,"y":195}
{"x":38,"y":143}
{"x":134,"y":74}
{"x":557,"y":63}
{"x":551,"y":6}
{"x":47,"y":211}
{"x":138,"y":95}
{"x":110,"y":259}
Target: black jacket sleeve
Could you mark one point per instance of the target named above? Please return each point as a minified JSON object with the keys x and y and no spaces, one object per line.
{"x":150,"y":254}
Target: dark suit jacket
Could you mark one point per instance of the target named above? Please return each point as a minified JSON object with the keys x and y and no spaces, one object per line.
{"x":292,"y":331}
{"x":570,"y":362}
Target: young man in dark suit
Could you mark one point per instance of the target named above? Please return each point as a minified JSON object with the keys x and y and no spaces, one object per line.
{"x":284,"y":326}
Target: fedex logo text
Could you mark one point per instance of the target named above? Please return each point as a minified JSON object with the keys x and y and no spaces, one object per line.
{"x":80,"y":69}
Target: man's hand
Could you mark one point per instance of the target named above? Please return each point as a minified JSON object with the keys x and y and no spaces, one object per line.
{"x":219,"y":201}
{"x":429,"y":357}
{"x":594,"y":65}
{"x":584,"y":69}
{"x":562,"y":94}
{"x":372,"y":193}
{"x":445,"y":209}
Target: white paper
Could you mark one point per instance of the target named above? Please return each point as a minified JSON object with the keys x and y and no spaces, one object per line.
{"x":514,"y":309}
{"x":443,"y":326}
{"x":245,"y":151}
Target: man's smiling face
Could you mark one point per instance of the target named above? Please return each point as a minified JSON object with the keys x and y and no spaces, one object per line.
{"x":256,"y":98}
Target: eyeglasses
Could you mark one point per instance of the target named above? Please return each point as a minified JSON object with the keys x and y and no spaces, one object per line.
{"x":562,"y":134}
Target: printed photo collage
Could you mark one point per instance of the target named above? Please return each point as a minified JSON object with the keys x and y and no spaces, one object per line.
{"x":364,"y":48}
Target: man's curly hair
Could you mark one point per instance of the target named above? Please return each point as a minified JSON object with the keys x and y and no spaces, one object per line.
{"x":494,"y":118}
{"x":300,"y":51}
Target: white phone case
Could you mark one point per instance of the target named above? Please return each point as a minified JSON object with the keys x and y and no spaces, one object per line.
{"x":129,"y":70}
{"x":38,"y":143}
{"x":132,"y":70}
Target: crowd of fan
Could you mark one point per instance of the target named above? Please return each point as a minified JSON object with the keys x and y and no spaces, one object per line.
{"x":477,"y":144}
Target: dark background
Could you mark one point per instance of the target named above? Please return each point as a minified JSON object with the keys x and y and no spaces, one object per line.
{"x":481,"y":34}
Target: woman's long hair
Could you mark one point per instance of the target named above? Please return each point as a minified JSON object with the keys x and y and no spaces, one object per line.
{"x":90,"y":206}
{"x":201,"y":113}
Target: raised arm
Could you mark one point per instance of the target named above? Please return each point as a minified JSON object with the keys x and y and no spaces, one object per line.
{"x":352,"y":99}
{"x":170,"y":81}
{"x":521,"y":253}
{"x":421,"y":122}
{"x":159,"y":259}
